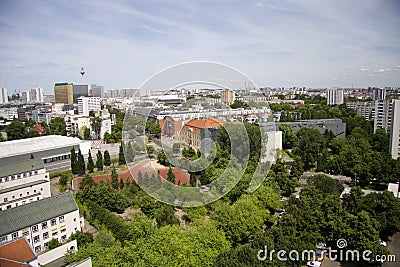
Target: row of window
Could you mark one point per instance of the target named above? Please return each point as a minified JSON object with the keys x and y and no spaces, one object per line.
{"x":53,"y":222}
{"x":45,"y":245}
{"x":16,"y":203}
{"x":20,"y":195}
{"x":46,"y":235}
{"x":17,"y":176}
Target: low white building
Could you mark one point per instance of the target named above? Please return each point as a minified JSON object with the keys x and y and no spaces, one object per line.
{"x":105,"y":127}
{"x":40,"y":221}
{"x":23,"y":182}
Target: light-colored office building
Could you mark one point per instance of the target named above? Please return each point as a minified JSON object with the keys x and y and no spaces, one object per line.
{"x":23,"y":182}
{"x":40,"y":221}
{"x":3,"y":96}
{"x":64,"y":93}
{"x":394,"y":145}
{"x":228,"y":96}
{"x":86,"y":104}
{"x":34,"y":95}
{"x":365,"y":109}
{"x":383,"y":114}
{"x":97,"y":90}
{"x":335,"y":96}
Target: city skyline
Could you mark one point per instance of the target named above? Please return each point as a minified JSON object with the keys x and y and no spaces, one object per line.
{"x":274,"y":43}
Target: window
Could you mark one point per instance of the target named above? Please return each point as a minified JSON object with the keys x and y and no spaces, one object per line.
{"x":63,"y":238}
{"x":63,"y":230}
{"x":5,"y":200}
{"x":14,"y":235}
{"x":36,"y":172}
{"x":25,"y":232}
{"x":35,"y":228}
{"x":61,"y":219}
{"x":34,"y":191}
{"x":74,"y":219}
{"x":41,"y":189}
{"x":44,"y":225}
{"x":38,"y":249}
{"x":54,"y":233}
{"x":46,"y":244}
{"x":20,"y":195}
{"x":13,"y":197}
{"x":36,"y":239}
{"x":53,"y":222}
{"x":45,"y":235}
{"x":27,"y":193}
{"x":3,"y":239}
{"x":37,"y":198}
{"x":16,"y":204}
{"x":8,"y":206}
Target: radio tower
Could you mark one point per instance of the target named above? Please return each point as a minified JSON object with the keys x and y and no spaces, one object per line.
{"x":83,"y":74}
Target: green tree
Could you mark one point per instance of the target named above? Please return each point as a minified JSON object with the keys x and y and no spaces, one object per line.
{"x":96,"y":125}
{"x":54,"y":243}
{"x":162,"y":158}
{"x":114,"y":179}
{"x":63,"y":179}
{"x":150,"y":151}
{"x":107,"y":159}
{"x":80,"y":163}
{"x":121,"y":156}
{"x":165,"y":216}
{"x":74,"y":161}
{"x":121,"y":184}
{"x":90,"y":164}
{"x":176,"y":148}
{"x":86,"y":183}
{"x":81,"y":238}
{"x":99,"y":160}
{"x":310,"y":146}
{"x":57,"y":126}
{"x":15,"y":130}
{"x":86,"y":133}
{"x":170,"y":175}
{"x":289,"y":137}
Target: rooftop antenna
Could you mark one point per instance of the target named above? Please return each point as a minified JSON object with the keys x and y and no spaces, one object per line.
{"x":83,"y":74}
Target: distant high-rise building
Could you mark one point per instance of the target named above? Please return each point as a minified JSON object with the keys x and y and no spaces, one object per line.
{"x":335,"y":96}
{"x":79,"y":90}
{"x":228,"y":96}
{"x":383,"y":113}
{"x":86,"y":104}
{"x":97,"y":90}
{"x":3,"y":96}
{"x":113,"y":93}
{"x":34,"y":95}
{"x":365,"y":109}
{"x":63,"y":93}
{"x":394,"y":145}
{"x":379,"y":93}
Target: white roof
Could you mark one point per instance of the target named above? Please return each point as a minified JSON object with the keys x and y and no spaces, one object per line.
{"x":35,"y":144}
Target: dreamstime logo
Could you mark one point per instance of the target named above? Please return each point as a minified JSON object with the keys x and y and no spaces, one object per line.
{"x":178,"y":80}
{"x":332,"y":254}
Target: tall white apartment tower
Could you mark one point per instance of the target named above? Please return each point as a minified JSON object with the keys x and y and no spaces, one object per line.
{"x":394,"y":145}
{"x":3,"y":96}
{"x":335,"y":96}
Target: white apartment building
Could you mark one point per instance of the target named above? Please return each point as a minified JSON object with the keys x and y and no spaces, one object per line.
{"x":40,"y":221}
{"x":383,"y":114}
{"x":105,"y":127}
{"x":23,"y":182}
{"x":335,"y":96}
{"x":365,"y":109}
{"x":9,"y":113}
{"x":3,"y":96}
{"x":86,"y":104}
{"x":394,"y":145}
{"x":35,"y":95}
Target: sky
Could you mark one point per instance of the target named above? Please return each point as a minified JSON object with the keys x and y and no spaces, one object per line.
{"x":121,"y":44}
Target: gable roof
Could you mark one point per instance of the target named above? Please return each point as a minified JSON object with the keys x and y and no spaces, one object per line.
{"x":17,"y":250}
{"x":12,"y":220}
{"x":21,"y":167}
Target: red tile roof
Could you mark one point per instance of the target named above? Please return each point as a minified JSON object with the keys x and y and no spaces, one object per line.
{"x":16,"y":252}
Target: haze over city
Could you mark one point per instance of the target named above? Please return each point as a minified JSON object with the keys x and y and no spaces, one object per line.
{"x":275,"y":43}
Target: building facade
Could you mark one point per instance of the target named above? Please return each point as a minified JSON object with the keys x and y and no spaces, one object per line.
{"x":335,"y":96}
{"x":365,"y":109}
{"x":78,"y":91}
{"x":383,"y":114}
{"x":379,"y":93}
{"x":23,"y":182}
{"x":196,"y":130}
{"x":86,"y":104}
{"x":64,"y":93}
{"x":97,"y":90}
{"x":40,"y":221}
{"x":3,"y":96}
{"x":394,"y":145}
{"x":228,"y":96}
